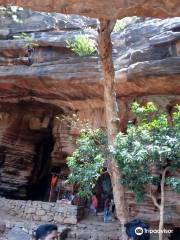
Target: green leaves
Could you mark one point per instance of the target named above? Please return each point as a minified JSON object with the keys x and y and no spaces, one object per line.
{"x":27,"y":38}
{"x":123,"y":23}
{"x":174,"y":183}
{"x":86,"y":163}
{"x":83,"y":46}
{"x":152,"y":142}
{"x":176,"y":119}
{"x":143,"y":110}
{"x":141,"y":154}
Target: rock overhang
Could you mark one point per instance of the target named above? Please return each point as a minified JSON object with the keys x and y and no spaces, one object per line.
{"x":145,"y":55}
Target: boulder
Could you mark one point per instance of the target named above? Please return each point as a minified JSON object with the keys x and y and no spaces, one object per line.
{"x":18,"y":234}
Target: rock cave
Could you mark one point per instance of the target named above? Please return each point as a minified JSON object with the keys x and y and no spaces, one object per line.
{"x":39,"y":86}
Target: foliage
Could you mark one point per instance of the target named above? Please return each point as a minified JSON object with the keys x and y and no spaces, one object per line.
{"x":12,"y":12}
{"x":153,"y":142}
{"x":27,"y":38}
{"x":123,"y":23}
{"x":86,"y":163}
{"x":74,"y":122}
{"x":82,"y":46}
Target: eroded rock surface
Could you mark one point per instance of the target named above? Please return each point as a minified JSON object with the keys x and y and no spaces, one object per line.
{"x":37,"y":87}
{"x":146,"y":55}
{"x":104,"y":8}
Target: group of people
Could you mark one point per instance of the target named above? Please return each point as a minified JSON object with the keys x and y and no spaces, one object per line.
{"x":108,"y":205}
{"x":68,"y":196}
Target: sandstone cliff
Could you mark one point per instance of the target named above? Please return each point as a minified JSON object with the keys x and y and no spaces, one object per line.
{"x":103,"y":9}
{"x":38,"y":86}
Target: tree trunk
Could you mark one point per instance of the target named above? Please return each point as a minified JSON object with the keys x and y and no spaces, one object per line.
{"x":112,"y":119}
{"x":161,"y":213}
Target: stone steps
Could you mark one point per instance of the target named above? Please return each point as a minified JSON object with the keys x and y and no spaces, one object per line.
{"x":95,"y":229}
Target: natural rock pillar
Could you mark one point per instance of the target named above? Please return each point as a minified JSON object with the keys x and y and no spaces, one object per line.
{"x":112,"y":119}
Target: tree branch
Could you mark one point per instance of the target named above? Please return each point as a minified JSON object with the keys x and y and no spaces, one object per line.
{"x":163,"y":182}
{"x":154,"y":200}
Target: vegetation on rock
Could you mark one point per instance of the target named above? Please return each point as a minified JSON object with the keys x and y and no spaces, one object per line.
{"x":123,"y":23}
{"x":83,"y":46}
{"x":27,"y":38}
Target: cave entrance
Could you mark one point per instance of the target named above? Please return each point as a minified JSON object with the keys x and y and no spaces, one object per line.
{"x":61,"y":189}
{"x":38,"y":188}
{"x":103,"y":189}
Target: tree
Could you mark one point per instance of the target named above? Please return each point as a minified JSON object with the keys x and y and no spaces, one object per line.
{"x":152,"y":144}
{"x":87,"y":161}
{"x":112,"y":118}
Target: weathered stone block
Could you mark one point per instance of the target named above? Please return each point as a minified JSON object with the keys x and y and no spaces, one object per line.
{"x":59,"y":219}
{"x":41,"y":212}
{"x":60,"y":209}
{"x":47,"y":218}
{"x":46,"y":206}
{"x":36,"y":217}
{"x":17,"y":234}
{"x":30,"y":210}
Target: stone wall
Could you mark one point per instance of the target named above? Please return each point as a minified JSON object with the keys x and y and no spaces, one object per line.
{"x":43,"y":211}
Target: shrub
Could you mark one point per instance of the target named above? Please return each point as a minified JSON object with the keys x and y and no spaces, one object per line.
{"x":123,"y":23}
{"x":27,"y":38}
{"x":83,"y":46}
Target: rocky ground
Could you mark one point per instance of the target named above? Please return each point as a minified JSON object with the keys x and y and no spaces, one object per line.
{"x":94,"y":228}
{"x":91,"y":228}
{"x":13,"y":228}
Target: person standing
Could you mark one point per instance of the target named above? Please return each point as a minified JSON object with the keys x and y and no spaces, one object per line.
{"x":94,"y":204}
{"x":106,"y":210}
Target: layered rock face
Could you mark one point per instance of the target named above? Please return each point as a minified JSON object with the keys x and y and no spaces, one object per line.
{"x":40,"y":84}
{"x":103,"y":9}
{"x":145,"y":54}
{"x":26,"y":141}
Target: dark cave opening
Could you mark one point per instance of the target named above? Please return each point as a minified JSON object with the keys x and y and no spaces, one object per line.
{"x":103,"y":189}
{"x":38,"y":188}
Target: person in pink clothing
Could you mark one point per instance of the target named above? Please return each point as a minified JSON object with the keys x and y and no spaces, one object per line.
{"x":94,"y":204}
